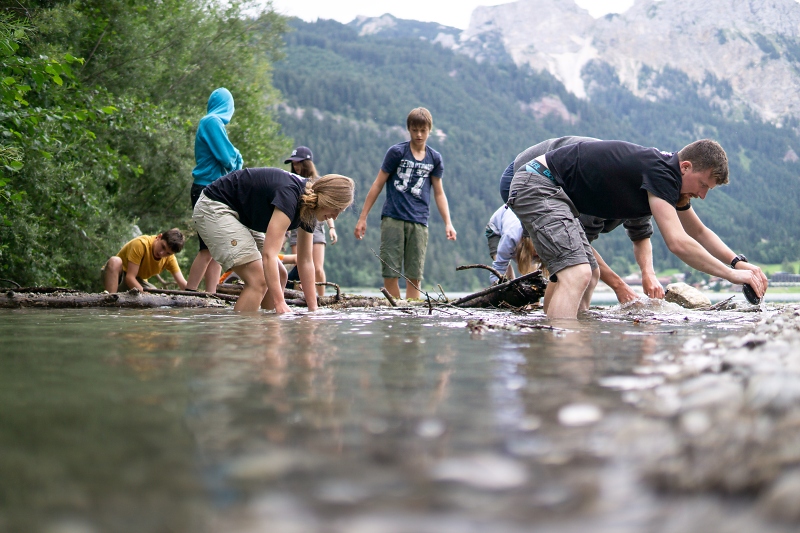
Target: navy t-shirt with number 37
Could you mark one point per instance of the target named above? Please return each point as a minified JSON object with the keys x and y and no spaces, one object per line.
{"x":408,"y":188}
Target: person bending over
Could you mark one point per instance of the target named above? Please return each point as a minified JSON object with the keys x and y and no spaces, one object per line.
{"x":620,"y":180}
{"x":506,"y":242}
{"x":244,"y":216}
{"x":144,"y":257}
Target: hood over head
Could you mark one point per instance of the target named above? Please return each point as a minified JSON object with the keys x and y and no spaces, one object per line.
{"x":220,"y":103}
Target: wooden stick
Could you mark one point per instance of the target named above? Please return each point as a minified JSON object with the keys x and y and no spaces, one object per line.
{"x":498,"y":287}
{"x":198,"y":294}
{"x":485,"y":267}
{"x":428,"y":296}
{"x":388,"y":297}
{"x":335,"y":286}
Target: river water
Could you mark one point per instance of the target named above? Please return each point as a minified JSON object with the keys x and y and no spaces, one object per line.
{"x":350,"y":421}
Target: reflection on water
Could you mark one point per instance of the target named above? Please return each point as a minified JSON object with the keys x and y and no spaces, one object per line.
{"x":184,"y":421}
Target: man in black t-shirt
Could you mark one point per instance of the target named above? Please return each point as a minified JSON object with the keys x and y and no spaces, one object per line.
{"x":619,"y":180}
{"x":639,"y":230}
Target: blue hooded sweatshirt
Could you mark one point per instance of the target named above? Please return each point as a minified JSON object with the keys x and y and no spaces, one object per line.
{"x":213,"y":152}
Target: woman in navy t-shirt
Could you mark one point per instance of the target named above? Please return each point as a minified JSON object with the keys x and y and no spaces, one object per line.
{"x":243,"y":217}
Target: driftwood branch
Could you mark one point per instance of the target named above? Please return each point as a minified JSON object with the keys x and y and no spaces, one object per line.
{"x":198,"y":294}
{"x":132,"y":299}
{"x":485,"y":267}
{"x":517,"y":292}
{"x":11,"y":281}
{"x":389,"y":297}
{"x":334,"y":285}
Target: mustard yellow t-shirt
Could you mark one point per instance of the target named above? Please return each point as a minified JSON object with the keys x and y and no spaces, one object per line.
{"x":140,"y":251}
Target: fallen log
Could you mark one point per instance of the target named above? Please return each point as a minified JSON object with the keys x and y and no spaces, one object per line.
{"x":132,"y":299}
{"x":518,"y":292}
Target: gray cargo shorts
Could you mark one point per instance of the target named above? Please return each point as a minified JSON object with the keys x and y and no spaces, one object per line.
{"x":551,"y":220}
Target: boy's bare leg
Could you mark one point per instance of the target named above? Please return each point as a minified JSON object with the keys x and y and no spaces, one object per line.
{"x":573,"y":283}
{"x":111,"y":274}
{"x":393,"y":286}
{"x":411,"y":291}
{"x":198,"y":270}
{"x":213,"y":272}
{"x":255,"y":286}
{"x":586,"y":301}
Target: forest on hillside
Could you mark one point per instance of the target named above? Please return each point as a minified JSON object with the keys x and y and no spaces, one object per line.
{"x":346,"y":96}
{"x":100,"y":101}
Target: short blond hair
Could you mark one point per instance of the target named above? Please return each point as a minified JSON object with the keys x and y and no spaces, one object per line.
{"x":419,"y":116}
{"x":706,"y":154}
{"x":331,"y":191}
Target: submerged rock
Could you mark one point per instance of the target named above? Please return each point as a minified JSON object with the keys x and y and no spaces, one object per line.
{"x":686,"y":296}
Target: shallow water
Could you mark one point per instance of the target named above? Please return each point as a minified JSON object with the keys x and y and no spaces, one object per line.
{"x":363,"y":420}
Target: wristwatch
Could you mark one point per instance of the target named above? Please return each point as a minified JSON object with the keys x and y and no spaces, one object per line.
{"x":738,"y":258}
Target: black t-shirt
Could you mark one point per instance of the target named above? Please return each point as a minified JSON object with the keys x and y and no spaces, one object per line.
{"x":611,"y":179}
{"x":254,"y":192}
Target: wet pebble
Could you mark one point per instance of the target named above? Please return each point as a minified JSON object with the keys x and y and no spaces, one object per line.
{"x":430,"y":428}
{"x":267,"y":466}
{"x":69,"y":526}
{"x":579,"y":414}
{"x":482,"y":471}
{"x":780,"y":501}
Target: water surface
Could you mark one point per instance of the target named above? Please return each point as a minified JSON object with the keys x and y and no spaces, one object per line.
{"x":362,"y":420}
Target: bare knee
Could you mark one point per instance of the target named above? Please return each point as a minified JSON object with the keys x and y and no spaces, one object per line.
{"x":578,"y":276}
{"x":114,"y":265}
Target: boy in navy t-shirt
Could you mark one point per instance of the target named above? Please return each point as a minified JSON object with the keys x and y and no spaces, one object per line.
{"x":411,"y":169}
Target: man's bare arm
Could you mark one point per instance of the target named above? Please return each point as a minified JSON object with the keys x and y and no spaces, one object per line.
{"x":130,"y":277}
{"x":443,"y":206}
{"x":369,"y":201}
{"x":643,"y":252}
{"x":692,"y":252}
{"x":609,"y":277}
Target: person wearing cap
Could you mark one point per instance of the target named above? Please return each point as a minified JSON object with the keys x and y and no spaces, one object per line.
{"x":215,"y":156}
{"x":620,"y":180}
{"x":302,"y":161}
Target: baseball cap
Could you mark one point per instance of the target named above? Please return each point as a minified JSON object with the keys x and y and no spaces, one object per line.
{"x":301,"y":153}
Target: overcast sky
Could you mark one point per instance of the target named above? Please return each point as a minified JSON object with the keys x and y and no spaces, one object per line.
{"x":448,"y":12}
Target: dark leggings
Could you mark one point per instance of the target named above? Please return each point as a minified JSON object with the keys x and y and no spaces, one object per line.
{"x":195,"y":193}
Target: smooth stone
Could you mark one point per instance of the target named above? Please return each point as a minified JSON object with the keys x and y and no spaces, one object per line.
{"x":579,"y":414}
{"x":686,"y":296}
{"x":482,"y":471}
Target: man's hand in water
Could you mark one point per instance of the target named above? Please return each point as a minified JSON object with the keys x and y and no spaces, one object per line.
{"x":625,"y":294}
{"x":651,"y":286}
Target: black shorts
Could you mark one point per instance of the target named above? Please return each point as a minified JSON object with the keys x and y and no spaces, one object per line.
{"x":195,"y":194}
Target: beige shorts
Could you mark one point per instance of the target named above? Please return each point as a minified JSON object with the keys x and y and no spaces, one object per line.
{"x":230,"y":242}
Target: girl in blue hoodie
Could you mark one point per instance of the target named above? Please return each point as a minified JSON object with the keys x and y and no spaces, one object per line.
{"x":215,"y":157}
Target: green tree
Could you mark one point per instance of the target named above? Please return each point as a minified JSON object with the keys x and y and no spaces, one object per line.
{"x":109,"y":138}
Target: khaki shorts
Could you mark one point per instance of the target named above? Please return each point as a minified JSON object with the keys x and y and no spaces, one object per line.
{"x":551,"y":220}
{"x":403,"y":244}
{"x":230,"y":242}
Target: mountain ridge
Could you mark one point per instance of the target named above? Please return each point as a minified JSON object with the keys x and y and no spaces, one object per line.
{"x":753,"y":46}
